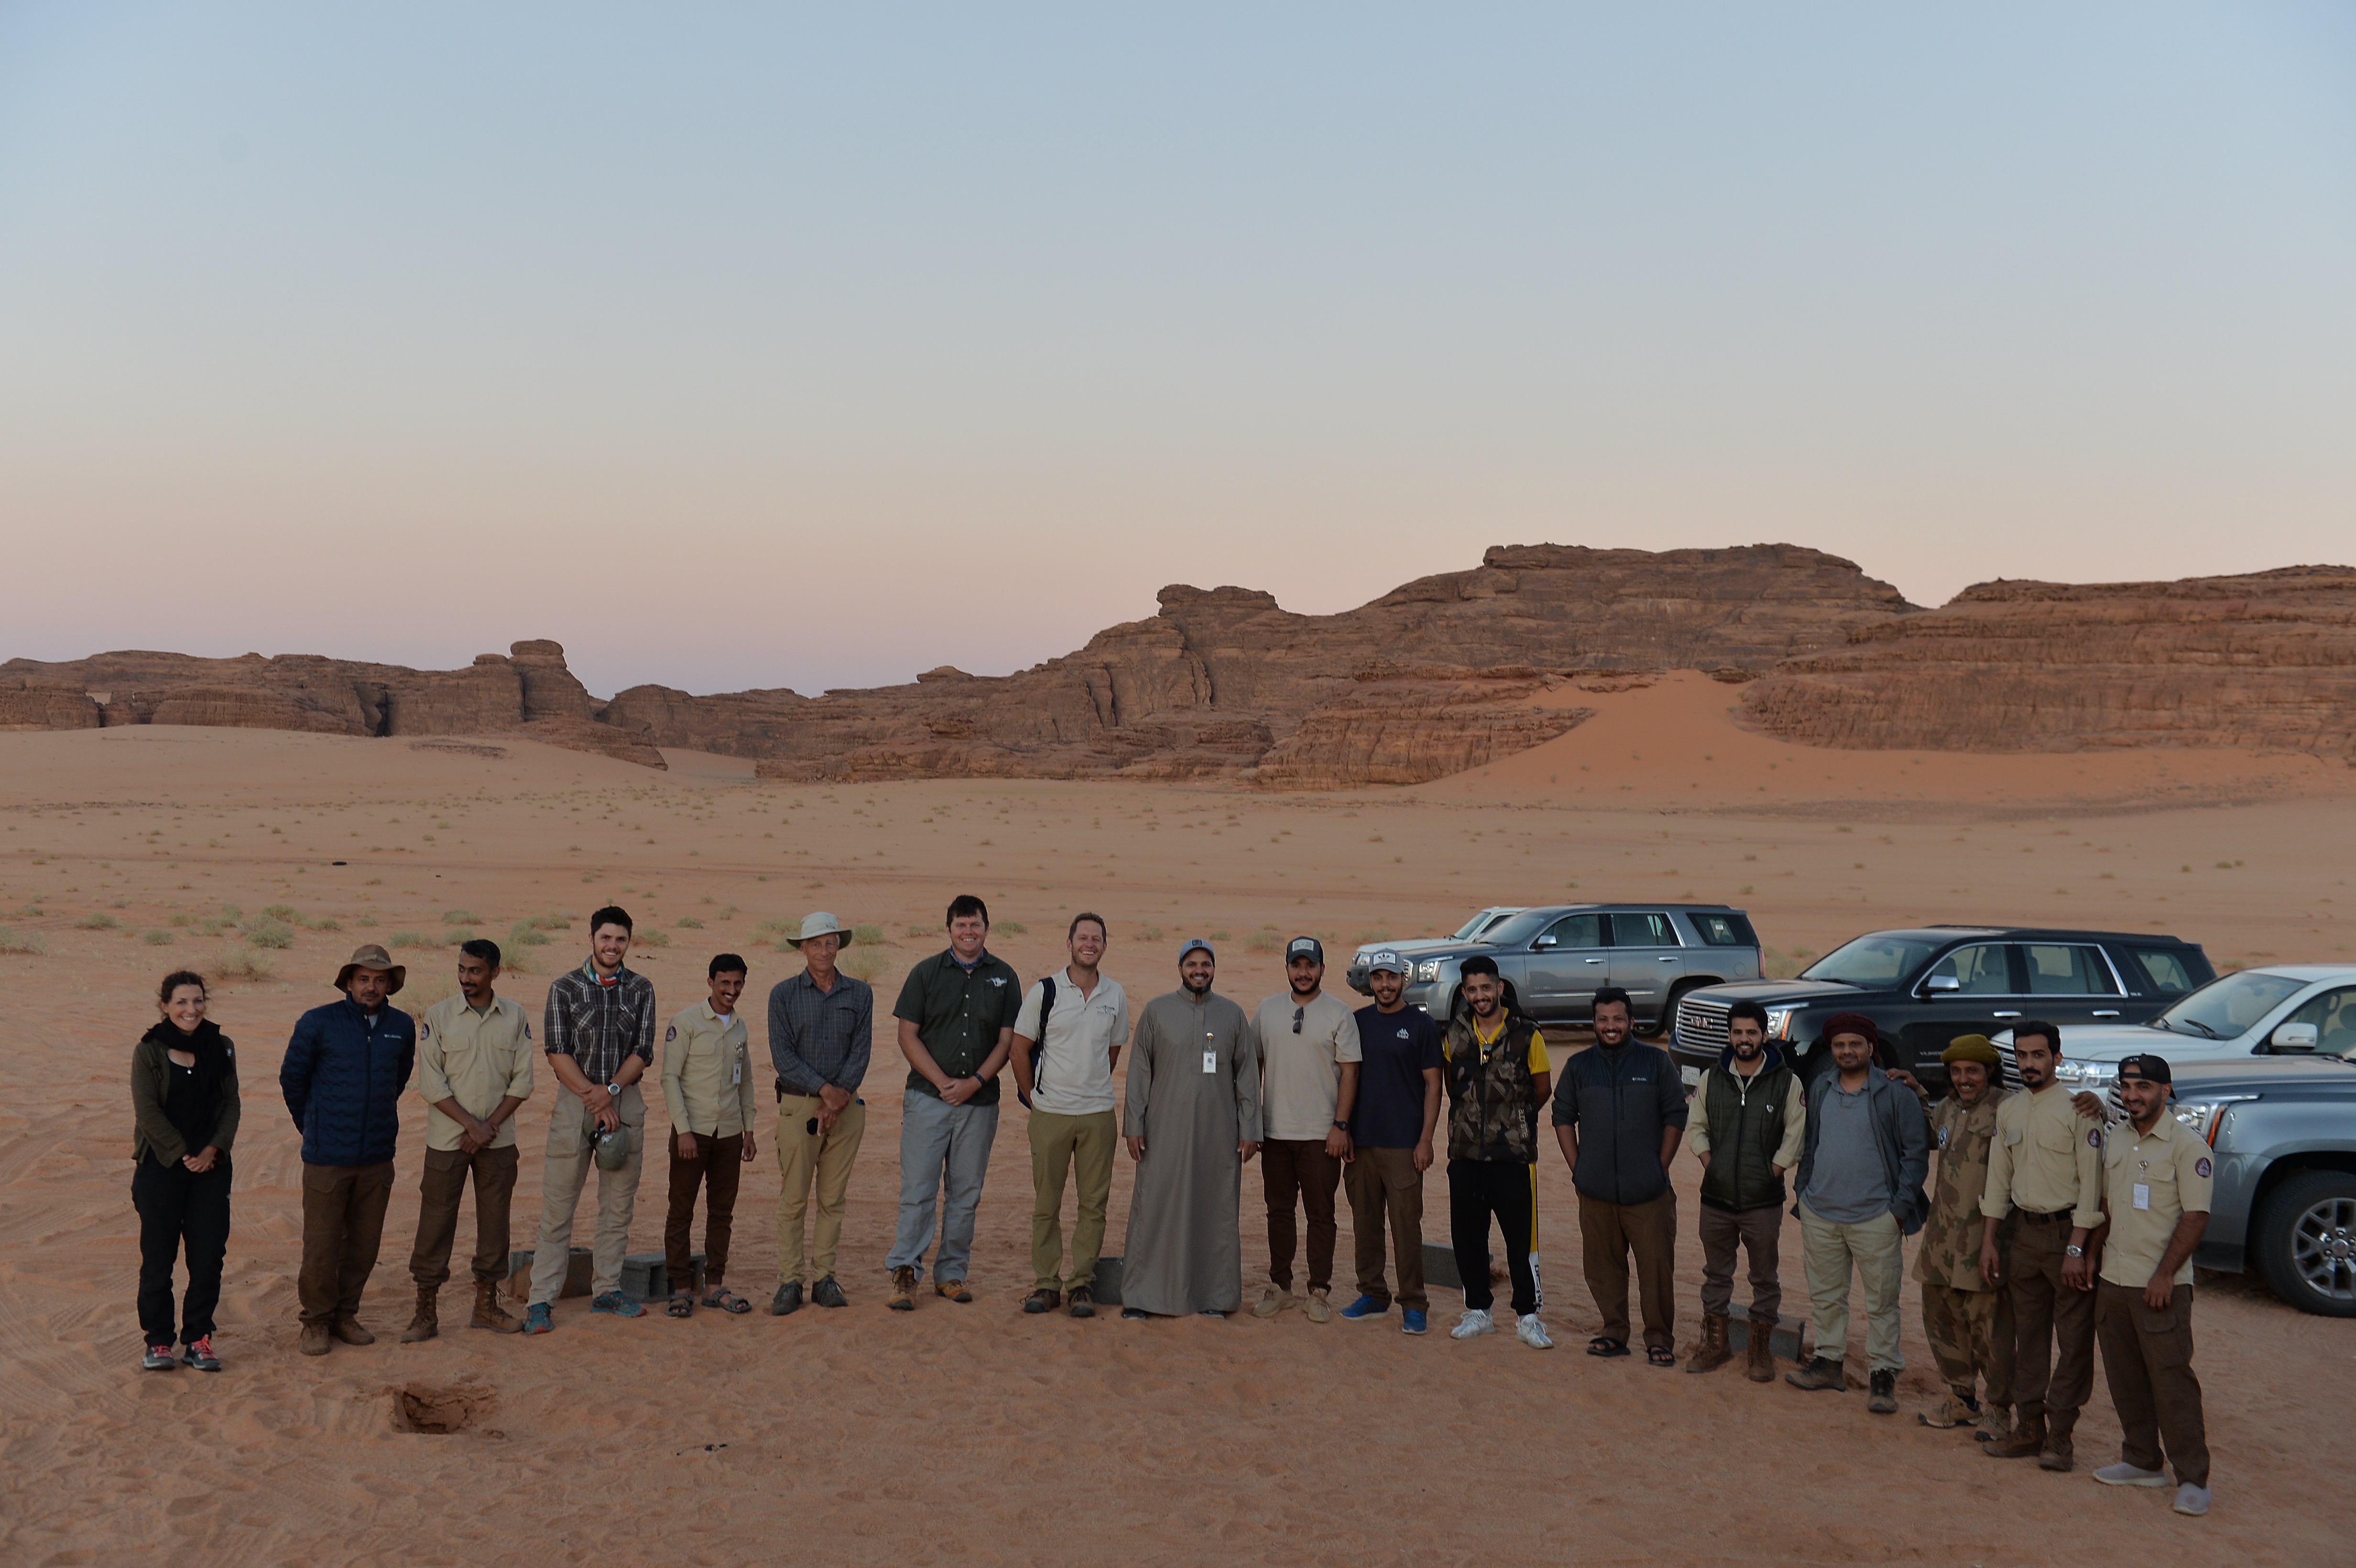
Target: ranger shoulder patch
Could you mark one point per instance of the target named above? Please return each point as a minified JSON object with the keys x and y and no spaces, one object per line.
{"x":2201,"y":1166}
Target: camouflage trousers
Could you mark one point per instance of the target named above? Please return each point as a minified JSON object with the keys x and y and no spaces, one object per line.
{"x":1971,"y":1338}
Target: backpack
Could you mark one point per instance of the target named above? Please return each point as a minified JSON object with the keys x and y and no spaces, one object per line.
{"x":1039,"y":1046}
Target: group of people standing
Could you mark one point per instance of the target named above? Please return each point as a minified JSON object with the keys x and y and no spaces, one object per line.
{"x":2048,"y":1230}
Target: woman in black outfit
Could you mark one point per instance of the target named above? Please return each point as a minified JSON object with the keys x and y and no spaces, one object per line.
{"x":184,"y":1107}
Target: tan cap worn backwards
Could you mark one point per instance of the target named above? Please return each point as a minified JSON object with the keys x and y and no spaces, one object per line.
{"x":368,"y":955}
{"x":820,"y":923}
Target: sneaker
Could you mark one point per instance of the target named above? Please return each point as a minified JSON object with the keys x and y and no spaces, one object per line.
{"x":198,"y":1354}
{"x":614,"y":1303}
{"x":1951,"y":1413}
{"x":1475,"y":1322}
{"x":1318,"y":1308}
{"x":158,"y":1358}
{"x":1084,"y":1301}
{"x":903,"y":1289}
{"x":539,"y":1319}
{"x":1412,"y":1321}
{"x":1882,"y":1397}
{"x":1531,"y":1332}
{"x":1043,"y":1300}
{"x":1365,"y":1307}
{"x":827,"y":1293}
{"x":1138,"y":1313}
{"x":788,"y":1299}
{"x":2126,"y":1475}
{"x":1275,"y":1299}
{"x":1819,"y":1373}
{"x":2192,"y":1500}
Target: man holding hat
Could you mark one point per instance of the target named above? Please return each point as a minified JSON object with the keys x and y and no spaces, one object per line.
{"x":1191,"y":1119}
{"x":1309,"y":1086}
{"x":1967,"y":1320}
{"x":821,"y":1023}
{"x":2155,"y":1186}
{"x":346,"y":1067}
{"x":1391,"y":1127}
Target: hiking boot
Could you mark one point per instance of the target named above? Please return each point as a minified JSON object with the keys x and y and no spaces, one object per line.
{"x":2057,"y":1456}
{"x":1881,"y":1393}
{"x":2026,"y":1441}
{"x":953,"y":1289}
{"x":1273,"y":1300}
{"x":1475,"y":1322}
{"x":1318,"y":1308}
{"x":788,"y":1299}
{"x":1996,"y":1423}
{"x":1760,"y":1367}
{"x":200,"y":1354}
{"x":1084,"y":1301}
{"x":1043,"y":1300}
{"x":489,"y":1314}
{"x":539,"y":1319}
{"x":426,"y":1322}
{"x":1955,"y":1410}
{"x":1819,"y":1373}
{"x":827,"y":1293}
{"x":315,"y":1340}
{"x":1531,"y":1332}
{"x":2126,"y":1475}
{"x":349,"y":1331}
{"x":1713,"y":1351}
{"x":158,"y":1358}
{"x":903,"y":1289}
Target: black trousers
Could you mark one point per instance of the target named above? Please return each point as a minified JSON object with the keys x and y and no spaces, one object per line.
{"x":177,"y":1207}
{"x":1508,"y":1189}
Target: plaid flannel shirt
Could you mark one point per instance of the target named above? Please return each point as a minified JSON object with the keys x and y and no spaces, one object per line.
{"x":598,"y":1024}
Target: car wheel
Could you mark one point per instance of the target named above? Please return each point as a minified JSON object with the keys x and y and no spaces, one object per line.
{"x":1659,"y":1028}
{"x":2305,"y":1239}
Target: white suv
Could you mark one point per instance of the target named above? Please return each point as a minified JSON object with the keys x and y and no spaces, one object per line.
{"x":2277,"y":1009}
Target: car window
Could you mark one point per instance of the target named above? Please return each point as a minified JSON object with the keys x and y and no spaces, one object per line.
{"x":1578,"y":931}
{"x":1516,"y":930}
{"x":1981,"y":970}
{"x":2055,"y":970}
{"x":2223,"y":1008}
{"x":1871,"y":961}
{"x":1489,"y":924}
{"x":2333,"y":1014}
{"x":1643,"y":931}
{"x":1724,"y":930}
{"x":2164,"y":972}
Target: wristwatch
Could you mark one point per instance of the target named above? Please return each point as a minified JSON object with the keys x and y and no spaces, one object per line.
{"x":615,"y":1090}
{"x":1342,"y":1127}
{"x":2073,"y":1252}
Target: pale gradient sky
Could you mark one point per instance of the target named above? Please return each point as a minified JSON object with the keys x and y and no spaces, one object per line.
{"x":750,"y":346}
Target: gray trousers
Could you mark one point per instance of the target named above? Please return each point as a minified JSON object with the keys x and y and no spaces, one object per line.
{"x":944,"y":1156}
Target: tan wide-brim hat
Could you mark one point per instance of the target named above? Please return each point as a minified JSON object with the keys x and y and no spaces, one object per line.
{"x":368,"y":955}
{"x":820,"y":923}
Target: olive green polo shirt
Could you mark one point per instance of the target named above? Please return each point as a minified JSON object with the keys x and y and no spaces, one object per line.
{"x":957,"y":1015}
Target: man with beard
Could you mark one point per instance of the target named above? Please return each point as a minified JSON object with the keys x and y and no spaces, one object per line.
{"x":1497,"y":1081}
{"x":1192,"y":1120}
{"x":1747,"y":1128}
{"x":1965,"y":1318}
{"x":1619,"y":1119}
{"x":1391,"y":1126}
{"x":1308,"y":1063}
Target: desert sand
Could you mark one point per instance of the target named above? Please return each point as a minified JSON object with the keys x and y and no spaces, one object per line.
{"x":974,"y":1433}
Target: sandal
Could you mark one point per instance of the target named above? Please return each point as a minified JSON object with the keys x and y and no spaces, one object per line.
{"x":1602,"y":1346}
{"x":682,"y":1305}
{"x":727,"y":1300}
{"x":1660,"y":1356}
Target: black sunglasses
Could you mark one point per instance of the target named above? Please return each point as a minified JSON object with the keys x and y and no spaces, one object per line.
{"x":1297,"y":1012}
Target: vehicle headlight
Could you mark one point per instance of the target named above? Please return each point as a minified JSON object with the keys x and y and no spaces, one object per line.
{"x":2206,"y":1118}
{"x":1779,"y":1022}
{"x":1427,"y":971}
{"x":2085,"y":1073}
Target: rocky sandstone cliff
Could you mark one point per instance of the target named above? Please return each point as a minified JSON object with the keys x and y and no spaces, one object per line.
{"x":2266,"y":661}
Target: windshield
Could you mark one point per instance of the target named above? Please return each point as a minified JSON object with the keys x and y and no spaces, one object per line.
{"x":1472,"y":929}
{"x":2223,"y":1008}
{"x":1878,"y":960}
{"x":1514,"y":929}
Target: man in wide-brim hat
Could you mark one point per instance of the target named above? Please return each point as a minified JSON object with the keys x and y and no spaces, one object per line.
{"x":346,"y":1067}
{"x":821,"y":1025}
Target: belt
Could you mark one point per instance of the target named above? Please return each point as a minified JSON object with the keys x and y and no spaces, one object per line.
{"x":2058,"y":1216}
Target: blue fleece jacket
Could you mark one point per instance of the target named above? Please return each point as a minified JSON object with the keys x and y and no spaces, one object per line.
{"x":342,"y":1076}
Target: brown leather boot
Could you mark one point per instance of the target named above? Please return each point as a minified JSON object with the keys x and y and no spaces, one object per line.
{"x":315,"y":1340}
{"x":489,"y":1314}
{"x":349,"y":1331}
{"x":426,"y":1322}
{"x":1761,"y":1366}
{"x":2057,"y":1455}
{"x":1996,"y":1423}
{"x":1713,"y":1352}
{"x":2028,"y":1440}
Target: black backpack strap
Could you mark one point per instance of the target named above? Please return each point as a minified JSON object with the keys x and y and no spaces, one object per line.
{"x":1046,"y":1006}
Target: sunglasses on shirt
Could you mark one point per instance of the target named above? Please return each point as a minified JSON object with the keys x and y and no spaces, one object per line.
{"x":1297,"y":1013}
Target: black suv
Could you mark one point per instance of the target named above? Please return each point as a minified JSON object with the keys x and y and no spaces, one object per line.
{"x":1923,"y":987}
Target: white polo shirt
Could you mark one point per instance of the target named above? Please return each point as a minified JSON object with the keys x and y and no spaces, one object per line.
{"x":1074,"y":1077}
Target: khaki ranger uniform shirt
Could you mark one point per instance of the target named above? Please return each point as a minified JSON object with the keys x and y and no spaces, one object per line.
{"x":2151,"y":1179}
{"x":1949,"y":1251}
{"x":707,"y":1073}
{"x":476,"y":1058}
{"x":2046,"y":1157}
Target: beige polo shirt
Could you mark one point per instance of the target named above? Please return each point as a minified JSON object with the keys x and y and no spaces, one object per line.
{"x":476,"y":1058}
{"x":1300,"y":1074}
{"x":2046,"y":1157}
{"x":707,"y":1074}
{"x":2169,"y":1170}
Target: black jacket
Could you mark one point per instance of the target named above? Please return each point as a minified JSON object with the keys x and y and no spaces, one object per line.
{"x":1621,"y":1098}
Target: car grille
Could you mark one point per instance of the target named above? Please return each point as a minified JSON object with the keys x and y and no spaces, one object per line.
{"x":2011,"y":1068}
{"x":1701,"y":1026}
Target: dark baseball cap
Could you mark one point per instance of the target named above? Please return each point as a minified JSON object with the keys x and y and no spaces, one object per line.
{"x":1386,"y":959}
{"x":2144,"y":1065}
{"x":1304,"y":947}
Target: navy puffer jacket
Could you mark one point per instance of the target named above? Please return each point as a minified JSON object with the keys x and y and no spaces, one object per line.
{"x":343,"y":1077}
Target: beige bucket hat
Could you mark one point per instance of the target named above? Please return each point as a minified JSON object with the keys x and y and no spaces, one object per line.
{"x":820,"y":923}
{"x":368,"y":955}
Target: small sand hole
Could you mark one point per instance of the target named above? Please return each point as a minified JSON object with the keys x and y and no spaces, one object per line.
{"x":437,"y":1409}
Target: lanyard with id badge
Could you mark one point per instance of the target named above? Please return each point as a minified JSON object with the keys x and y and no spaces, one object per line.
{"x":1210,"y":1053}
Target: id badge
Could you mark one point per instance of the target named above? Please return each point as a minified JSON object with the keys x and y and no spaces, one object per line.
{"x":1210,"y":1061}
{"x":2143,"y":1195}
{"x":736,"y":1073}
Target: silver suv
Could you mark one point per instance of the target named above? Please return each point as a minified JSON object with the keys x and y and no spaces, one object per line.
{"x":2284,"y":1130}
{"x":1473,"y":929}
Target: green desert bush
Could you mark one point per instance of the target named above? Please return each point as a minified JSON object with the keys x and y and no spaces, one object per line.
{"x":15,"y":940}
{"x":99,"y":920}
{"x":158,"y":937}
{"x":414,"y":939}
{"x":240,"y":964}
{"x":869,"y":934}
{"x":460,"y":917}
{"x":264,"y":931}
{"x":689,"y":923}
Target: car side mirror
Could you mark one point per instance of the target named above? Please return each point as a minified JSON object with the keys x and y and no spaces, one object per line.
{"x":1544,"y":942}
{"x":1942,"y":983}
{"x":2293,"y":1037}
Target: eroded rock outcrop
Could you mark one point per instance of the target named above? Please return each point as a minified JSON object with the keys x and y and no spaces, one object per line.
{"x":2265,"y":661}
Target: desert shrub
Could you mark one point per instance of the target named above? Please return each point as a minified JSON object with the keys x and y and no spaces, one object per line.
{"x":460,"y":917}
{"x":414,"y":939}
{"x":920,"y":931}
{"x":264,"y":931}
{"x":868,"y":963}
{"x":239,"y":963}
{"x":524,"y":933}
{"x":421,"y":990}
{"x":157,"y":938}
{"x":232,"y":912}
{"x":365,"y":921}
{"x":1218,"y":937}
{"x":184,"y":918}
{"x":15,"y":940}
{"x":1376,"y":935}
{"x":652,"y":937}
{"x":98,"y":920}
{"x":552,"y":921}
{"x":1150,"y":934}
{"x":689,"y":923}
{"x":1014,"y":928}
{"x":285,"y":912}
{"x":868,"y":934}
{"x":1262,"y":941}
{"x":324,"y":923}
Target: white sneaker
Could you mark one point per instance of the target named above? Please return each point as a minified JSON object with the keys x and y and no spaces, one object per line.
{"x":1532,"y":1332}
{"x":2191,"y":1500}
{"x":2126,"y":1475}
{"x":1472,"y":1324}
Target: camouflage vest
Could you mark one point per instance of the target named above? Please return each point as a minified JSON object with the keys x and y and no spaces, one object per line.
{"x":1492,"y":1113}
{"x":1949,"y":1251}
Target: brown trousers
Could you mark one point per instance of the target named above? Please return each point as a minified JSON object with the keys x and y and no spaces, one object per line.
{"x":1299,"y":1168}
{"x":1385,"y":1187}
{"x":2052,"y":1330}
{"x":2148,"y":1360}
{"x":437,"y":1213}
{"x":1759,"y":1231}
{"x":718,"y":1167}
{"x":1608,"y":1234}
{"x":343,"y":1226}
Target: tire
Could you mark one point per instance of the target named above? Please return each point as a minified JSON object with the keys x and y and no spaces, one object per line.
{"x":2301,"y":1239}
{"x":1667,"y":1020}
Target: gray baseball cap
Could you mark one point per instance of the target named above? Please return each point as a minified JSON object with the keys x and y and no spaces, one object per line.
{"x":1197,"y":944}
{"x":1304,"y":947}
{"x":1386,"y":958}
